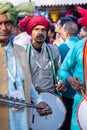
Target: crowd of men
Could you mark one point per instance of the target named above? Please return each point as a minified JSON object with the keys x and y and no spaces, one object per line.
{"x":29,"y":65}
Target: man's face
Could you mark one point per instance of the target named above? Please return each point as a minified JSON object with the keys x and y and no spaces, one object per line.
{"x":39,"y":34}
{"x":82,"y":33}
{"x":63,"y":33}
{"x":5,"y":28}
{"x":58,"y":27}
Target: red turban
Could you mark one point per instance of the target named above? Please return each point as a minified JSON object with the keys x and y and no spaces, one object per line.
{"x":83,"y":19}
{"x":28,"y":23}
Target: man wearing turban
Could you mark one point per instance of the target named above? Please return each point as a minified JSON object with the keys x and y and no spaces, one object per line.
{"x":10,"y":11}
{"x":28,"y":23}
{"x":38,"y":54}
{"x":14,"y":75}
{"x":44,"y":59}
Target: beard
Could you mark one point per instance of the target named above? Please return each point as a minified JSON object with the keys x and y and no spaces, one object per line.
{"x":40,"y":38}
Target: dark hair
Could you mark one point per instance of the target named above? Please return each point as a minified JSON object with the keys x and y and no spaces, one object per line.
{"x":73,"y":18}
{"x":19,"y":18}
{"x":16,"y":25}
{"x":52,"y":28}
{"x":63,"y":20}
{"x":71,"y":27}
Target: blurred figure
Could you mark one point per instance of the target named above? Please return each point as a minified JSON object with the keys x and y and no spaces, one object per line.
{"x":58,"y":27}
{"x":51,"y":34}
{"x":20,"y":37}
{"x":68,"y":33}
{"x":83,"y":32}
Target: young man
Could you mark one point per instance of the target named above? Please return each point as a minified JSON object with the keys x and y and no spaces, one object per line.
{"x":14,"y":75}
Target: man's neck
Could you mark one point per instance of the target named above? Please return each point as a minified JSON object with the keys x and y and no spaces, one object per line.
{"x":3,"y":45}
{"x":37,"y":48}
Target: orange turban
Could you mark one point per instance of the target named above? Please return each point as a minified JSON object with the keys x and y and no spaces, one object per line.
{"x":28,"y":23}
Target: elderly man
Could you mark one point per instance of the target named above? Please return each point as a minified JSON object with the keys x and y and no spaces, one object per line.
{"x":14,"y":75}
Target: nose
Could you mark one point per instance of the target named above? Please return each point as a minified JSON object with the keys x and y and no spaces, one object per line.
{"x":40,"y":31}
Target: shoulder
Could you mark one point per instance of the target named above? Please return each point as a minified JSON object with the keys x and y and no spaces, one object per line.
{"x":18,"y":47}
{"x":63,"y":46}
{"x":53,"y":48}
{"x":80,"y":44}
{"x":55,"y":52}
{"x":20,"y":51}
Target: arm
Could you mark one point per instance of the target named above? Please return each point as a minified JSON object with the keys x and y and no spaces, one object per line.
{"x":66,"y":68}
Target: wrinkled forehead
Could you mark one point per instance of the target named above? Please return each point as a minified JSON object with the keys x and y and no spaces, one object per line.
{"x":3,"y":17}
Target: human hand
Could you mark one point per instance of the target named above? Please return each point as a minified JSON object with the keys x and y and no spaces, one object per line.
{"x":60,"y":86}
{"x":76,"y":84}
{"x":45,"y":111}
{"x":38,"y":89}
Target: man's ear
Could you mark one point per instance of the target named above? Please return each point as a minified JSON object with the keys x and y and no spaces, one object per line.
{"x":67,"y":34}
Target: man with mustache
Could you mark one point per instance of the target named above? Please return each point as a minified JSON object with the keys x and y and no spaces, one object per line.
{"x":44,"y":59}
{"x":15,"y":78}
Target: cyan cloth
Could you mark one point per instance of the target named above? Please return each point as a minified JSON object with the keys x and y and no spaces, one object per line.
{"x":74,"y":61}
{"x":64,"y":49}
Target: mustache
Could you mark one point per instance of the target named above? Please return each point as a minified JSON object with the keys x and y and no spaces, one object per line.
{"x":40,"y":35}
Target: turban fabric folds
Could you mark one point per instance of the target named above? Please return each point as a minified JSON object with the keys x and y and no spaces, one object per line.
{"x":28,"y":23}
{"x":9,"y":9}
{"x":83,"y":19}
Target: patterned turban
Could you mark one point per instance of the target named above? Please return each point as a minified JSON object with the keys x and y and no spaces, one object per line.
{"x":9,"y":9}
{"x":28,"y":23}
{"x":83,"y":19}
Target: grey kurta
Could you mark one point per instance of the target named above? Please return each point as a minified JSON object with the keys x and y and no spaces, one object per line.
{"x":41,"y":67}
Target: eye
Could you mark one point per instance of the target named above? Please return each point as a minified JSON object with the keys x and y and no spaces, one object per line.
{"x":8,"y":23}
{"x":44,"y":30}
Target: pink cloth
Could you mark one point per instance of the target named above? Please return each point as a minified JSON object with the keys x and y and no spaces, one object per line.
{"x":83,"y":19}
{"x":28,"y":23}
